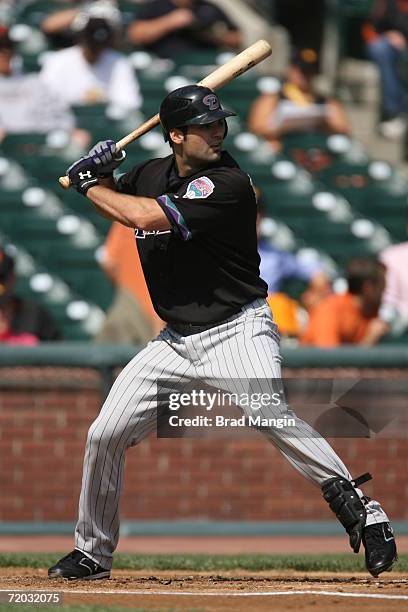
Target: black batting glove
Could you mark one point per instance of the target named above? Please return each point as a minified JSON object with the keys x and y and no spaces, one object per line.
{"x":106,"y":157}
{"x":83,"y":175}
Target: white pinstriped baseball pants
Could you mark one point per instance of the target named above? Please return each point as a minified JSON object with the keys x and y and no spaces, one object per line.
{"x":245,"y":347}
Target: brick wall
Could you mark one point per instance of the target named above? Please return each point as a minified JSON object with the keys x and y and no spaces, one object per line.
{"x":44,"y":417}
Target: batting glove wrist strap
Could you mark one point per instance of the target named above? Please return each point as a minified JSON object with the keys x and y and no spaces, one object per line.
{"x":83,"y":186}
{"x":345,"y":502}
{"x":83,"y":175}
{"x":106,"y":157}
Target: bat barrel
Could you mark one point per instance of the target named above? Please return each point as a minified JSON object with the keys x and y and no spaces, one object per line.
{"x":239,"y":64}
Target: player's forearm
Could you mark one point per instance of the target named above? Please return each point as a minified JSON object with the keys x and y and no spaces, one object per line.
{"x":132,"y":211}
{"x":108,"y":182}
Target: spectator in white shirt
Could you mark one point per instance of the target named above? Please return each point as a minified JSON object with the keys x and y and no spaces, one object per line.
{"x":92,"y":71}
{"x":26,"y":104}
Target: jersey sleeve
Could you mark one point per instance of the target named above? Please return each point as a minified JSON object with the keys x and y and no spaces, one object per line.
{"x":207,"y":202}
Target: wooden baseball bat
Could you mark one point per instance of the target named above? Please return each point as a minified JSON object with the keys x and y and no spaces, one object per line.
{"x":236,"y":66}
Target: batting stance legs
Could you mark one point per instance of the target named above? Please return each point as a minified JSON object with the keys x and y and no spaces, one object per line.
{"x":245,"y":347}
{"x":127,"y":417}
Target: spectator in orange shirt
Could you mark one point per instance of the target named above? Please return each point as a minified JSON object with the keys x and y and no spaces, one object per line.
{"x":351,"y":318}
{"x":131,"y":318}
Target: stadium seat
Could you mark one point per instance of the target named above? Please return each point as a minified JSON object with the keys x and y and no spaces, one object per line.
{"x":86,"y":279}
{"x":38,"y":283}
{"x":76,"y":203}
{"x":198,"y":58}
{"x":22,"y":146}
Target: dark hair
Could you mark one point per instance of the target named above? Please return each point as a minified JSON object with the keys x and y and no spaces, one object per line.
{"x":184,"y":130}
{"x":363,"y":269}
{"x":306,"y":60}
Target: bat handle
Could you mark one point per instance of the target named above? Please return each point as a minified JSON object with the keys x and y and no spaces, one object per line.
{"x":64,"y":182}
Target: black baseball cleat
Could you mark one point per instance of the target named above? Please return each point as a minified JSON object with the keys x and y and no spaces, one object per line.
{"x":77,"y":566}
{"x":380,"y":548}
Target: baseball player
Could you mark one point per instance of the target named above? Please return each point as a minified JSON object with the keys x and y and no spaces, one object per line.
{"x":194,"y":214}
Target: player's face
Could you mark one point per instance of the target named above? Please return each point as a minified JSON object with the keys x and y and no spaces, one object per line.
{"x":204,"y":142}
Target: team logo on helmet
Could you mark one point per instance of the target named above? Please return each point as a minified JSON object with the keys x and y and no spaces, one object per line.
{"x":199,"y":188}
{"x":211,"y":101}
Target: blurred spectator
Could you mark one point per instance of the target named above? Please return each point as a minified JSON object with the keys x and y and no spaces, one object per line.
{"x":296,"y":107}
{"x":26,"y":104}
{"x":287,"y":314}
{"x":278,"y":266}
{"x":350,"y":318}
{"x":92,"y":71}
{"x":386,"y":37}
{"x":57,"y":25}
{"x":175,"y":28}
{"x":21,"y":321}
{"x":131,"y":318}
{"x":395,"y":299}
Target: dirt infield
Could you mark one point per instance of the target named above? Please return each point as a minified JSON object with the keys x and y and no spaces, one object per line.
{"x":229,"y":590}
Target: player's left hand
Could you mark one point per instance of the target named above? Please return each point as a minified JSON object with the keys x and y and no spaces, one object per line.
{"x":106,"y":157}
{"x":83,"y":174}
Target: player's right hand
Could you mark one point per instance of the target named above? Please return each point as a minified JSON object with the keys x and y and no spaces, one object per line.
{"x":106,"y":157}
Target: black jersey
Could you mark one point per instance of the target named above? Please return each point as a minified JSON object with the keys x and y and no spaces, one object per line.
{"x":206,"y":267}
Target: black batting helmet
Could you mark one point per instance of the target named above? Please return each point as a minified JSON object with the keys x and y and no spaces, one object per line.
{"x":190,"y":105}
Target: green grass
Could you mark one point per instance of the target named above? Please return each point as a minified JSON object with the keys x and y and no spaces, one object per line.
{"x":306,"y":563}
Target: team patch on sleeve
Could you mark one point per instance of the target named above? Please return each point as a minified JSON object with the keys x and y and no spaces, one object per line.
{"x":199,"y":188}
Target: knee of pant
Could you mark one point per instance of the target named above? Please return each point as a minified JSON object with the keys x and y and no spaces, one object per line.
{"x":99,"y":434}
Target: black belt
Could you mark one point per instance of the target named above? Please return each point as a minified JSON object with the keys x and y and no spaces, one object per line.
{"x":188,"y":329}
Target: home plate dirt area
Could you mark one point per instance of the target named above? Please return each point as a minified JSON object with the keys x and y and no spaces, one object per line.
{"x":226,"y":590}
